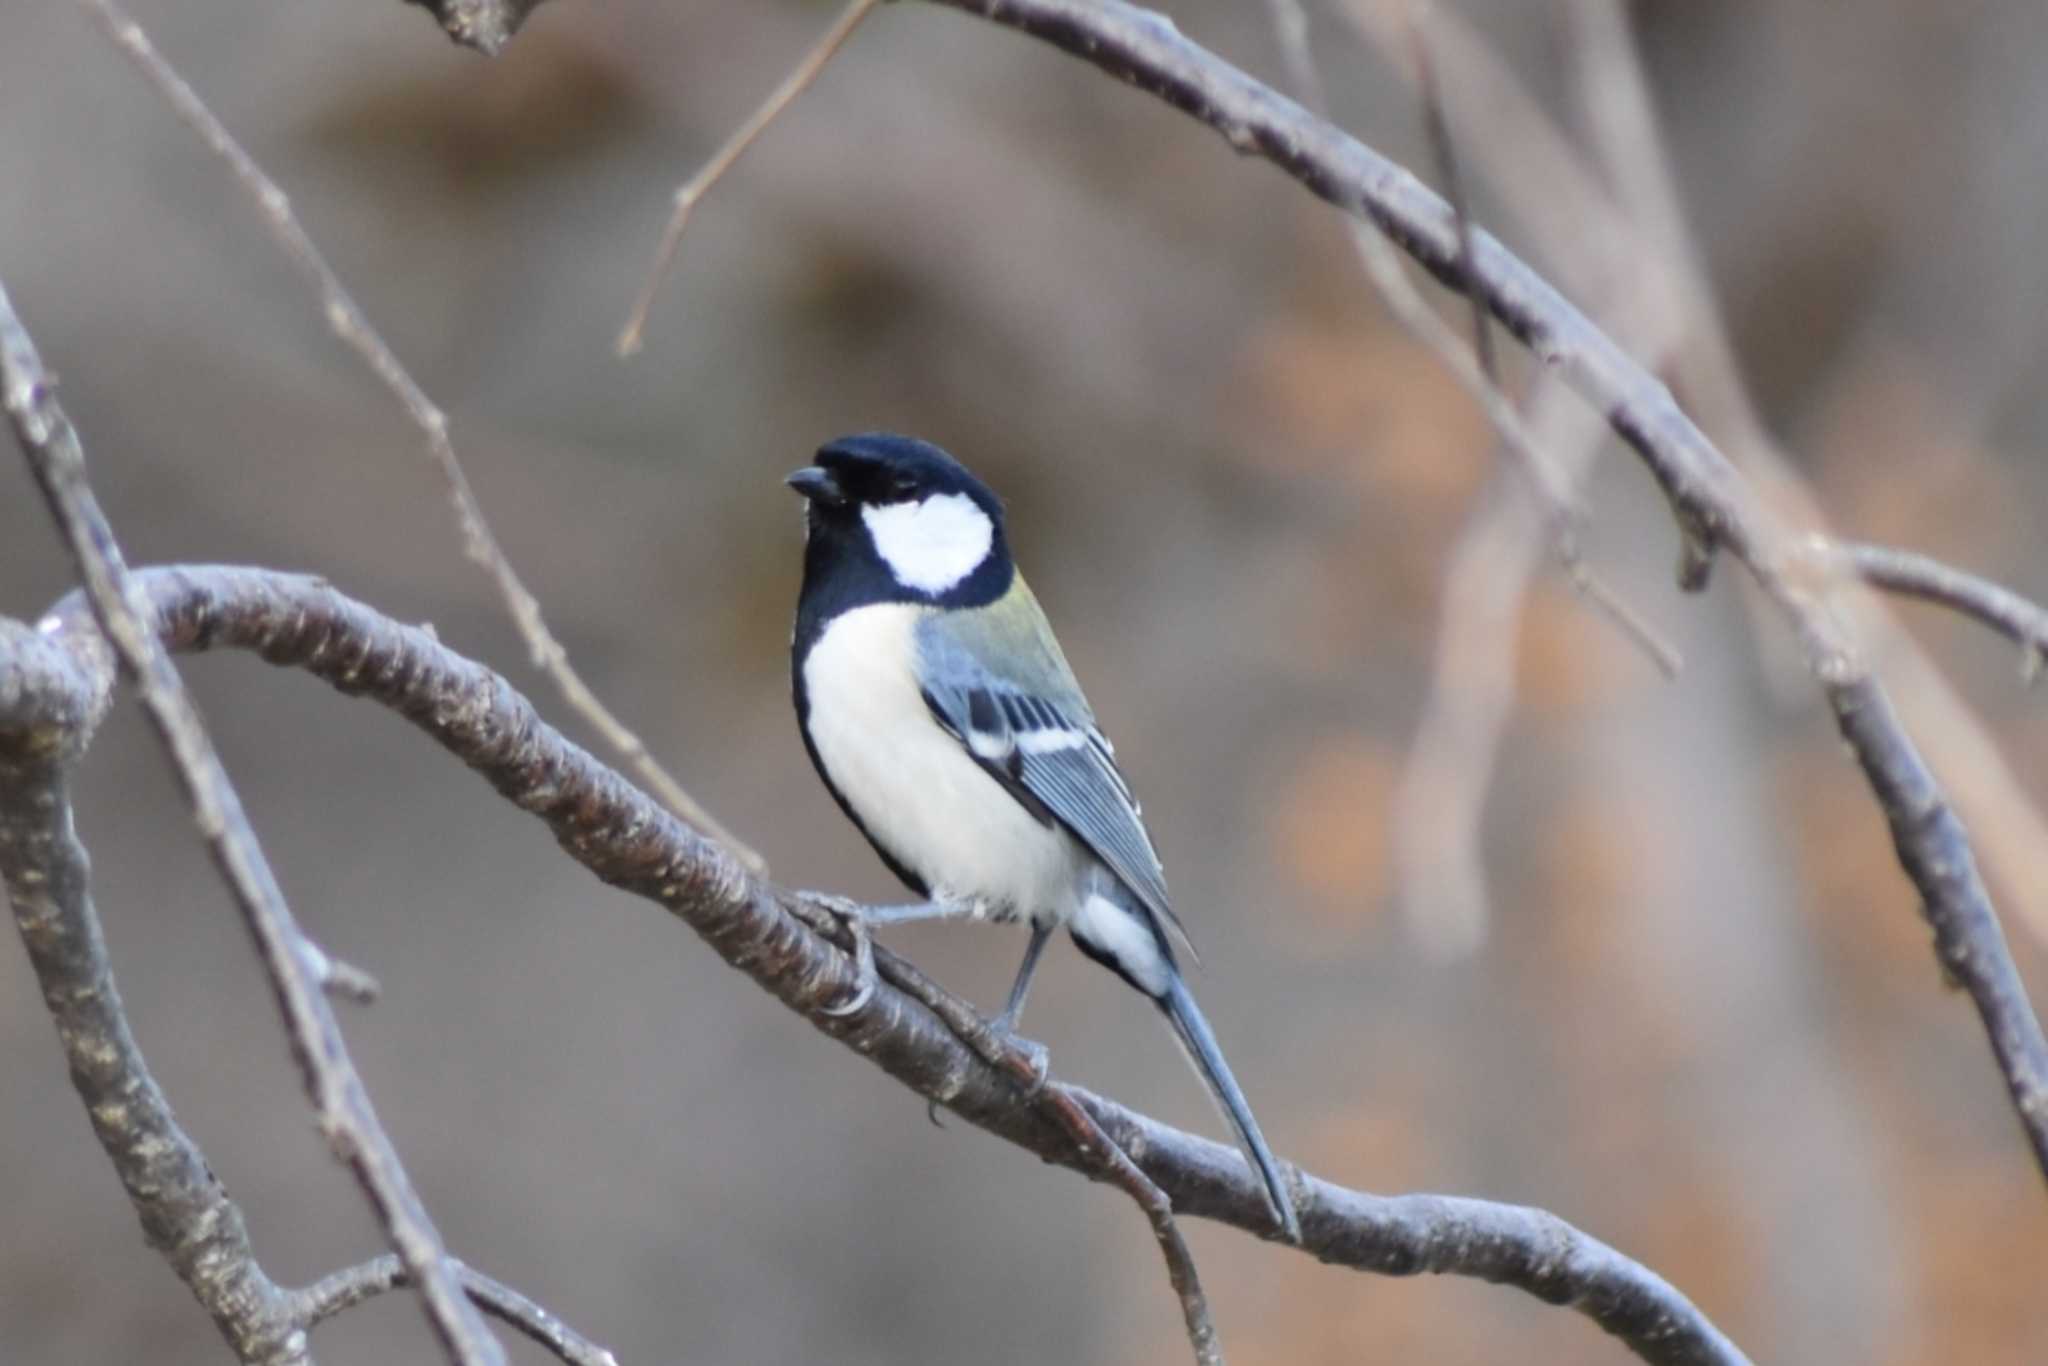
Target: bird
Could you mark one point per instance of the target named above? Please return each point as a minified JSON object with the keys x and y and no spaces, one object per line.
{"x":938,"y":708}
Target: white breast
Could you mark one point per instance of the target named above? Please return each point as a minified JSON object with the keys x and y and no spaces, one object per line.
{"x":915,"y":787}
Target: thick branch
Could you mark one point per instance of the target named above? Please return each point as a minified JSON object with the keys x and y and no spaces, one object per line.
{"x":45,"y":718}
{"x":297,"y":971}
{"x":633,"y":843}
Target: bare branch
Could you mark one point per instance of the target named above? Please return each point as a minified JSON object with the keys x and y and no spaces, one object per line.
{"x":1111,"y":1162}
{"x":1715,"y":507}
{"x":486,"y":25}
{"x":632,"y":843}
{"x":690,"y":191}
{"x":345,"y":1289}
{"x":341,"y":979}
{"x":45,"y":719}
{"x":58,"y":464}
{"x":1442,"y":794}
{"x":2020,"y":621}
{"x":1473,"y":371}
{"x":353,"y":328}
{"x":1436,"y":124}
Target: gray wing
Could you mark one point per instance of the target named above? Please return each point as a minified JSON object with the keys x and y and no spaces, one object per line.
{"x":1031,"y":729}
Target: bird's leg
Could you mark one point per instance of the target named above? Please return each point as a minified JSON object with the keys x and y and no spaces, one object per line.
{"x":1006,"y":1023}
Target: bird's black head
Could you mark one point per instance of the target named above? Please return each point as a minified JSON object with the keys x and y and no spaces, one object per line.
{"x":894,"y":519}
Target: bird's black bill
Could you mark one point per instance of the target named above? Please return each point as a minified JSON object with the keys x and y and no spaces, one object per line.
{"x":816,"y":484}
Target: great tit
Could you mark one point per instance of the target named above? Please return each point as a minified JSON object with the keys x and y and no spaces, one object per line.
{"x":938,"y":708}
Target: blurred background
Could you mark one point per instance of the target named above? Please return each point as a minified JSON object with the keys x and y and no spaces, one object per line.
{"x":1702,"y":1020}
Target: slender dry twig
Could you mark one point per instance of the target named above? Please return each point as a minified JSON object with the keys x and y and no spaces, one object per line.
{"x":1441,"y":797}
{"x":1439,"y":801}
{"x":633,"y":843}
{"x":351,"y":325}
{"x":296,"y":974}
{"x":1907,"y":574}
{"x":342,"y":979}
{"x":345,"y":1289}
{"x":1472,"y":367}
{"x":1436,"y":125}
{"x":1090,"y":1141}
{"x":185,"y":1211}
{"x":1665,"y":300}
{"x":44,"y":721}
{"x":690,"y":191}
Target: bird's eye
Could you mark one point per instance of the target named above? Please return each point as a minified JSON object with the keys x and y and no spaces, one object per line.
{"x":903,"y":486}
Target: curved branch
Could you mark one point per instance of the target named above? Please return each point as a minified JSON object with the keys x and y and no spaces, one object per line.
{"x":298,"y":972}
{"x":1911,"y":575}
{"x":329,"y":1296}
{"x":45,"y":719}
{"x":633,"y":843}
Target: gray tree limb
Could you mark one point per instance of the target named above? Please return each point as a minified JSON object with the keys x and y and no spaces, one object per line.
{"x":297,"y":970}
{"x":1911,"y":575}
{"x":45,"y":719}
{"x":346,"y":1289}
{"x":802,"y":956}
{"x":49,"y":709}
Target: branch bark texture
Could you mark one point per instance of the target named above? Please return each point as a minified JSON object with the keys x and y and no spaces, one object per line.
{"x":45,"y":719}
{"x":295,"y":967}
{"x":633,"y":843}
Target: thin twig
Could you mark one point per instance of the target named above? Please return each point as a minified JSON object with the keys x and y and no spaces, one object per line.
{"x":1436,"y":126}
{"x":1441,"y":797}
{"x":346,"y":1289}
{"x":1090,"y":1141}
{"x":351,"y":325}
{"x":1376,"y":251}
{"x":690,"y":191}
{"x":58,"y":464}
{"x":342,"y":979}
{"x":1910,"y":575}
{"x":632,"y":843}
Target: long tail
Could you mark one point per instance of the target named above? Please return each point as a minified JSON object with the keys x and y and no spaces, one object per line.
{"x":1200,"y":1045}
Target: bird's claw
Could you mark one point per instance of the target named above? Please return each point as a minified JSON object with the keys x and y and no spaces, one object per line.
{"x":849,"y":914}
{"x":1038,"y":1058}
{"x":1035,"y":1056}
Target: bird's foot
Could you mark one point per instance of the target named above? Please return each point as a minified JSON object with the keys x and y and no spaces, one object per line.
{"x":1034,"y":1056}
{"x":854,"y":916}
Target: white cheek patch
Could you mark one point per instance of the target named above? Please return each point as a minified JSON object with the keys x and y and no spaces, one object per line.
{"x":933,"y":544}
